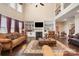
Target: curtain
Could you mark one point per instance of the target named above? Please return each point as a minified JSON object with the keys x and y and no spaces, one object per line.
{"x":12,"y":25}
{"x":16,"y":26}
{"x":0,"y":20}
{"x":22,"y":25}
{"x":8,"y":24}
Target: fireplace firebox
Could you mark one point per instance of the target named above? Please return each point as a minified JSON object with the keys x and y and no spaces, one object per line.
{"x":38,"y":35}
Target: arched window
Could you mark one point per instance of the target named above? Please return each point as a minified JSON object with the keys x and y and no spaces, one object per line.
{"x":19,"y":7}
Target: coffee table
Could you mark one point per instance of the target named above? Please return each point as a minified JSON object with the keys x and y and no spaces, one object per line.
{"x":48,"y":41}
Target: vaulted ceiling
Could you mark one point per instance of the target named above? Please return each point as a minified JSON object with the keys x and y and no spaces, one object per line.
{"x":41,"y":12}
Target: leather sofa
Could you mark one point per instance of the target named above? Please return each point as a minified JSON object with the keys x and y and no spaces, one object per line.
{"x":9,"y":44}
{"x":74,"y":39}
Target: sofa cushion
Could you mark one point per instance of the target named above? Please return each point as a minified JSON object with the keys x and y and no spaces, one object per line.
{"x":2,"y":35}
{"x":10,"y":36}
{"x":13,"y":35}
{"x":18,"y":40}
{"x":4,"y":40}
{"x":16,"y":33}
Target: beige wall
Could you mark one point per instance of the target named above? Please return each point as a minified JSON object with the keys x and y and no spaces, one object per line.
{"x":76,"y":24}
{"x":31,"y":13}
{"x":40,"y":13}
{"x":67,"y":24}
{"x":59,"y":26}
{"x":6,"y":10}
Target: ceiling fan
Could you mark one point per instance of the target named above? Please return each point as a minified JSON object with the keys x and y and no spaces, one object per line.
{"x":40,"y":4}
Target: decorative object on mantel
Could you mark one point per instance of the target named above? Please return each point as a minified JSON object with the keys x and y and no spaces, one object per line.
{"x":51,"y":34}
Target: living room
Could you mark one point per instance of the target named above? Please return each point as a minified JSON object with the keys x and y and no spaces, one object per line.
{"x":32,"y":29}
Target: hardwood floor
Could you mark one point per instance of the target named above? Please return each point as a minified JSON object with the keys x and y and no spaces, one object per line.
{"x":65,"y":42}
{"x":18,"y":51}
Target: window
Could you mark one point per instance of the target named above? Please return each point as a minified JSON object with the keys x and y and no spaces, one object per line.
{"x":12,"y":25}
{"x":19,"y":7}
{"x":13,"y":5}
{"x":3,"y":25}
{"x":16,"y":6}
{"x":20,"y":27}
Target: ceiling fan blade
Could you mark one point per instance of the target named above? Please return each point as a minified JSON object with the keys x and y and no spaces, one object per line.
{"x":42,"y":4}
{"x":21,"y":3}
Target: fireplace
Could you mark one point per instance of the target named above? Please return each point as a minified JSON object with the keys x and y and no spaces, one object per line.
{"x":38,"y":35}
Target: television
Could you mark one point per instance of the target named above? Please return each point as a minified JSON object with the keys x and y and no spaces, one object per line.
{"x":38,"y":24}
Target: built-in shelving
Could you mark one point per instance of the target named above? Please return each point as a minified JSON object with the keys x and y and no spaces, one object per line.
{"x":29,"y":25}
{"x":31,"y":29}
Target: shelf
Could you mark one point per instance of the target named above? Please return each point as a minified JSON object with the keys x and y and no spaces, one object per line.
{"x":29,"y":25}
